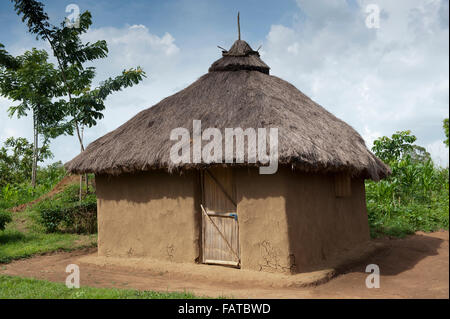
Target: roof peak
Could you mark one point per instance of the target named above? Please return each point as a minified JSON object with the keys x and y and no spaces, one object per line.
{"x":240,"y":48}
{"x":240,"y":57}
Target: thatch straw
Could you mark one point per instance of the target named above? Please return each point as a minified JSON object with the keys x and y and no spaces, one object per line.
{"x":237,"y":92}
{"x":240,"y":57}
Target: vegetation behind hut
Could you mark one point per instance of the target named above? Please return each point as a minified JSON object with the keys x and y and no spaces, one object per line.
{"x":416,"y":195}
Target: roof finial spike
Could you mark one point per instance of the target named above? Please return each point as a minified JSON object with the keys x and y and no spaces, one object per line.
{"x":239,"y":28}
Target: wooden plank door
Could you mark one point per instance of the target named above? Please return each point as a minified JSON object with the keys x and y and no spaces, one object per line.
{"x":220,"y":226}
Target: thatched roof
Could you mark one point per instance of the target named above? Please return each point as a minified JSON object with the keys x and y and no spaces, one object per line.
{"x":236,"y":92}
{"x":240,"y":57}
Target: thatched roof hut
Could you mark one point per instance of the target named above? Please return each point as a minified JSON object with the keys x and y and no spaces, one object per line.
{"x":310,"y":138}
{"x":291,"y":221}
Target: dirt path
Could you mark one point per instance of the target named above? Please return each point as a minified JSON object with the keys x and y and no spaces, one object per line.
{"x":413,"y":267}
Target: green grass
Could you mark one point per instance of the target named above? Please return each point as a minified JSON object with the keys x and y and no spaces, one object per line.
{"x":12,"y":287}
{"x":16,"y":245}
{"x":402,"y":220}
{"x":25,"y":237}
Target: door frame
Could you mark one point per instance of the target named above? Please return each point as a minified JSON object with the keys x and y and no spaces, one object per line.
{"x":206,"y":213}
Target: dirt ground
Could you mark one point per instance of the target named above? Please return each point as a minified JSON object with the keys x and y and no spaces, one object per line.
{"x":414,"y":267}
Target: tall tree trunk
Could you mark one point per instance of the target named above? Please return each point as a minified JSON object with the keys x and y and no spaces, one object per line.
{"x":80,"y":136}
{"x":69,"y":91}
{"x":35,"y":151}
{"x":80,"y":195}
{"x":85,"y":175}
{"x":80,"y":139}
{"x":86,"y":179}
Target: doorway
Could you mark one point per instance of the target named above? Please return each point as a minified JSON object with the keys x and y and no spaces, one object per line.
{"x":220,"y":224}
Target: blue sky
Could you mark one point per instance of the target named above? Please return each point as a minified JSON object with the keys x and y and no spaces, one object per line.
{"x":191,"y":22}
{"x":378,"y":80}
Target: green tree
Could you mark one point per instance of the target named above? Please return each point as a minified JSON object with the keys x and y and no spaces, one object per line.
{"x":16,"y":160}
{"x":446,"y":131}
{"x":414,"y":197}
{"x":83,"y":105}
{"x":6,"y":59}
{"x":33,"y":82}
{"x":418,"y":154}
{"x":395,"y":148}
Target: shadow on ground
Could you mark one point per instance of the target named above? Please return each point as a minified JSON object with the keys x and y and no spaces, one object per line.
{"x":402,"y":254}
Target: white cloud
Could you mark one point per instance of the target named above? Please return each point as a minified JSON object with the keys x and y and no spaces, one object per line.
{"x":133,"y":41}
{"x":129,"y":46}
{"x":378,"y":80}
{"x":369,"y":136}
{"x":439,"y":152}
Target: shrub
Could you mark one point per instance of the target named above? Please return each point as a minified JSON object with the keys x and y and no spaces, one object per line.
{"x":50,"y":175}
{"x":66,"y":213}
{"x":74,"y":218}
{"x":51,"y":218}
{"x":13,"y":194}
{"x":5,"y":217}
{"x":81,"y":217}
{"x":414,"y":197}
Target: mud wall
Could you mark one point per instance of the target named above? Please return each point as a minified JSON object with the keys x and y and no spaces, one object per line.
{"x":293,"y":222}
{"x":263,"y":235}
{"x":149,"y":214}
{"x":289,"y":222}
